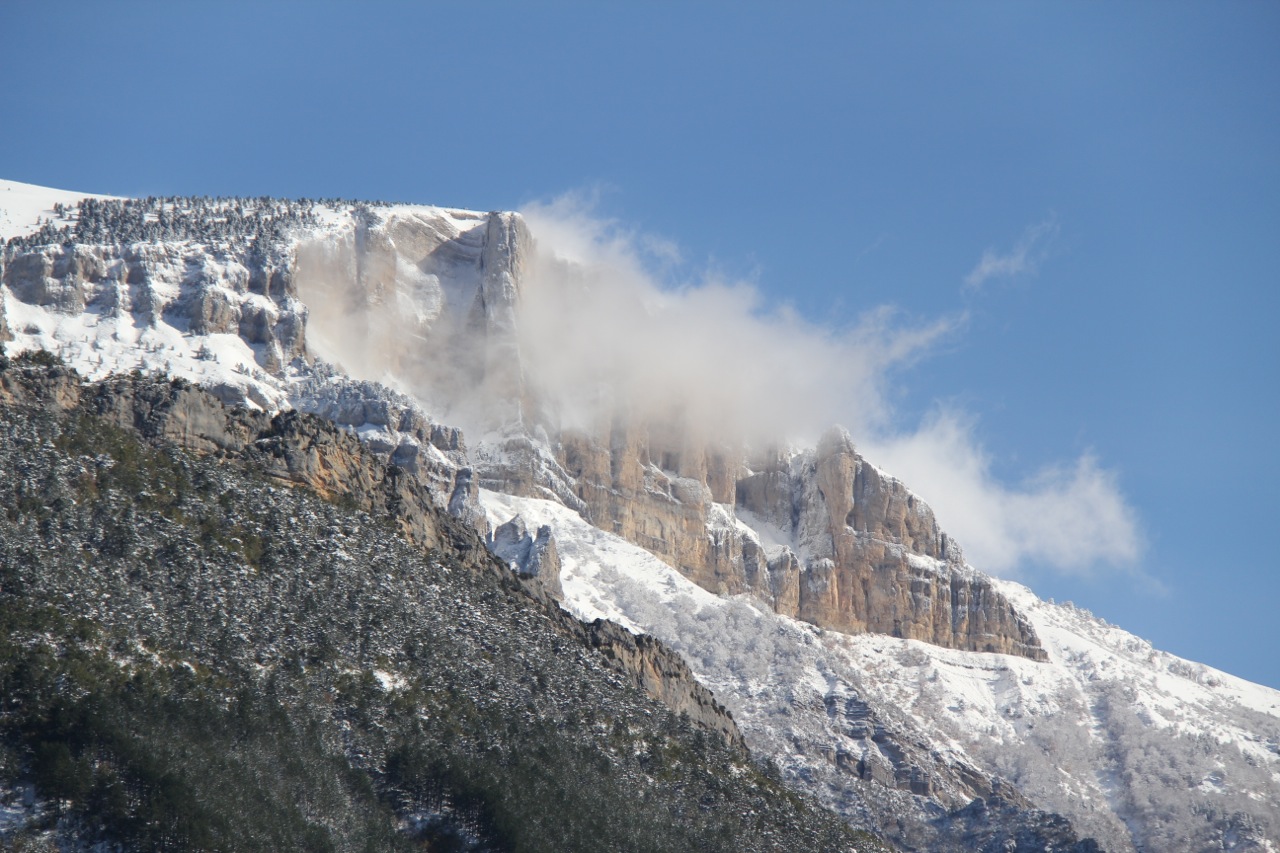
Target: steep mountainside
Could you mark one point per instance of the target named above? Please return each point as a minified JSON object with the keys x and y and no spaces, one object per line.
{"x":816,"y":595}
{"x":205,"y":653}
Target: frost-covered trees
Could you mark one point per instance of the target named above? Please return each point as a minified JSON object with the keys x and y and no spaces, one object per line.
{"x":261,"y":221}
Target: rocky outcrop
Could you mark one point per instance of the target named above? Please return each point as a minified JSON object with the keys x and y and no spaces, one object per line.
{"x":664,"y":675}
{"x":859,"y":551}
{"x":38,"y":379}
{"x":399,"y":433}
{"x":868,"y":555}
{"x":530,"y":555}
{"x":54,"y":277}
{"x":624,"y":492}
{"x":821,"y":535}
{"x":291,"y":447}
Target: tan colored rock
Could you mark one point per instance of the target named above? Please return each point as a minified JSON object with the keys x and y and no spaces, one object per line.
{"x":870,"y":554}
{"x":865,"y":553}
{"x":724,"y":469}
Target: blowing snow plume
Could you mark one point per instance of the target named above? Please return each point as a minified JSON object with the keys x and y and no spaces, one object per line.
{"x":575,"y":328}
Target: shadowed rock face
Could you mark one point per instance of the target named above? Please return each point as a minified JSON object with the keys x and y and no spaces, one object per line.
{"x":530,"y":555}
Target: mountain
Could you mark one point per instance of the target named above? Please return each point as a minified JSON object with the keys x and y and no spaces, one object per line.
{"x":815,"y":595}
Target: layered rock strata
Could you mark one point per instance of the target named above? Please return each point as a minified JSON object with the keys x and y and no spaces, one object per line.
{"x":821,"y":535}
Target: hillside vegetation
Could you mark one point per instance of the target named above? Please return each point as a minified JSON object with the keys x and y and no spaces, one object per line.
{"x":196,"y":657}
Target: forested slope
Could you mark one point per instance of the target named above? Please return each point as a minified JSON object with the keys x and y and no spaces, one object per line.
{"x":197,"y":656}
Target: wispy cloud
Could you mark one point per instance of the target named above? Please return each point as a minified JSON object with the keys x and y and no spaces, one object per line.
{"x":1071,"y":517}
{"x":598,"y":325}
{"x":1023,"y":259}
{"x":714,"y":351}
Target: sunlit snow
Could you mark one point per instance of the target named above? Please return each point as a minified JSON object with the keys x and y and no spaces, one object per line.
{"x":1059,"y":729}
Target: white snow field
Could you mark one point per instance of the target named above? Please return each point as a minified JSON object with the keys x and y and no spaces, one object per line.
{"x":1109,"y":732}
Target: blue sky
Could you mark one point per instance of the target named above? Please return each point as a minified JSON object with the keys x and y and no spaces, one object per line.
{"x":1116,"y":163}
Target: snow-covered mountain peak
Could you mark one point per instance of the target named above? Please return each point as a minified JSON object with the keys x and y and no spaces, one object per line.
{"x":814,"y":592}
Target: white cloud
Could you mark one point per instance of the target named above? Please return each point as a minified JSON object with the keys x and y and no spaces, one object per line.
{"x":1070,"y":517}
{"x":599,"y":326}
{"x":1024,"y":258}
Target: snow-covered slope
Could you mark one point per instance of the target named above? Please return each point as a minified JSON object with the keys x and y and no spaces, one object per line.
{"x":1140,"y":749}
{"x":1123,"y":739}
{"x":23,"y":206}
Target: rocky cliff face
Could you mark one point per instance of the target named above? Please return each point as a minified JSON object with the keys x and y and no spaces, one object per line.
{"x":217,"y":303}
{"x":869,"y":556}
{"x":858,"y":551}
{"x":159,"y":289}
{"x":821,"y":535}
